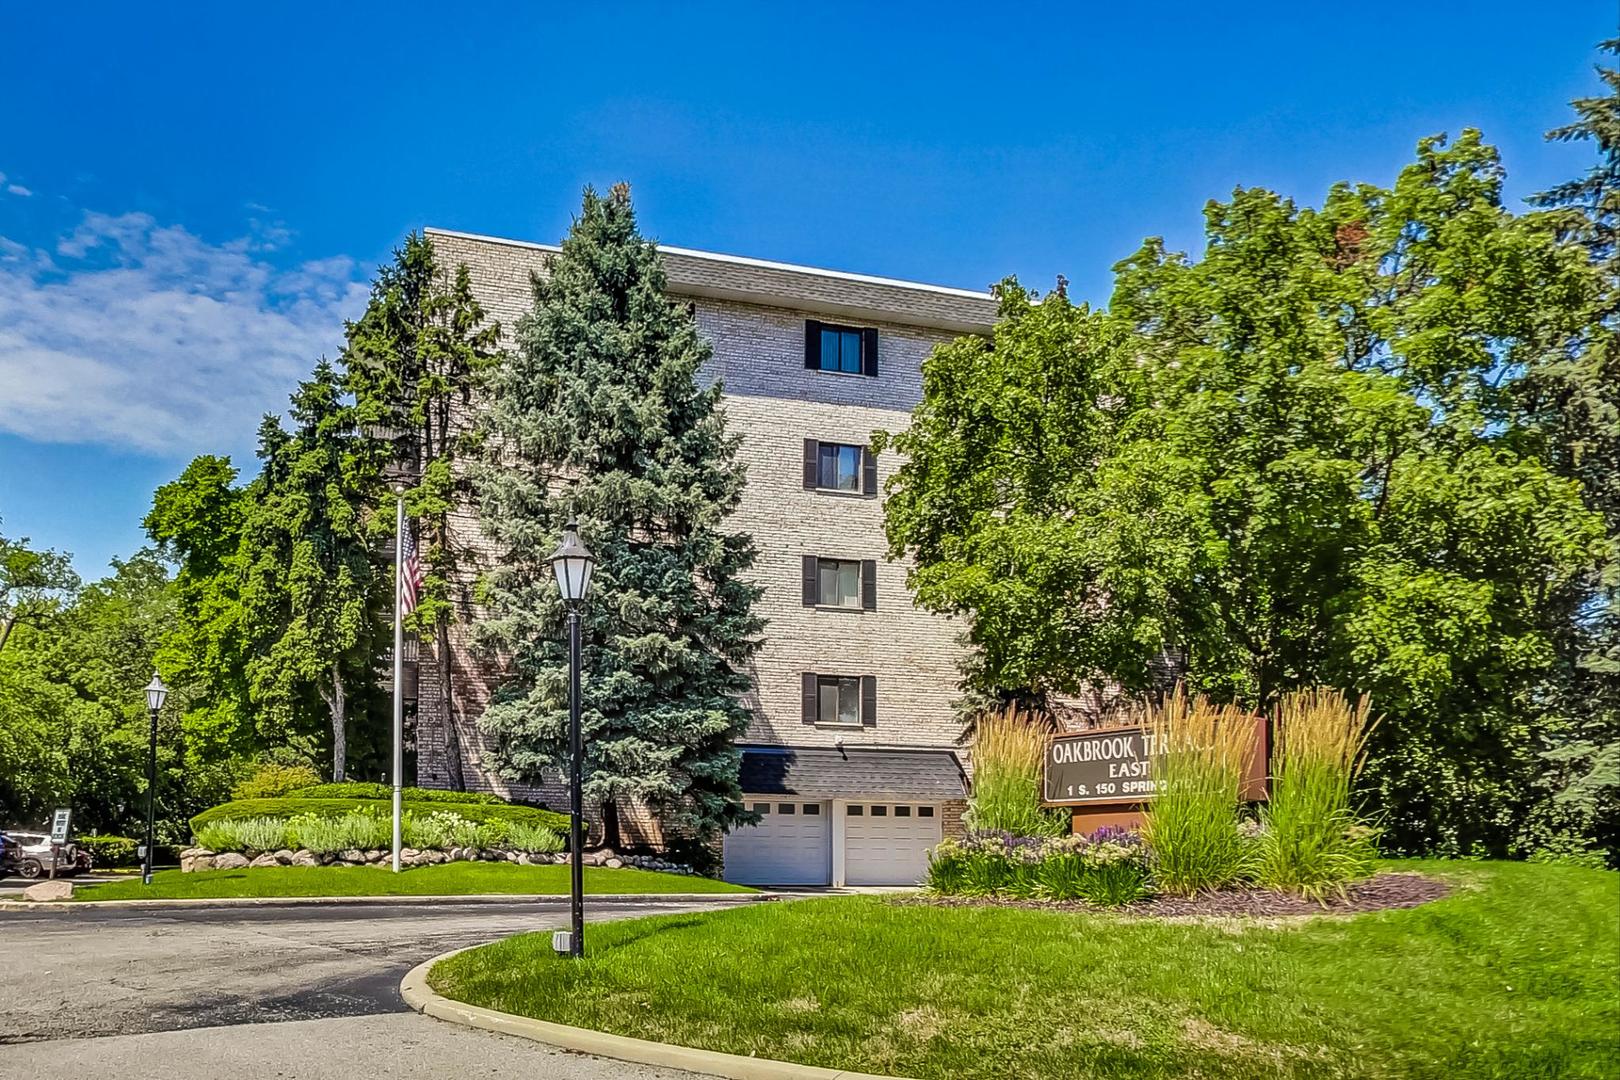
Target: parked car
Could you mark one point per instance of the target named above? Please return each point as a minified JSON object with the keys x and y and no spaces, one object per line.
{"x":28,"y":854}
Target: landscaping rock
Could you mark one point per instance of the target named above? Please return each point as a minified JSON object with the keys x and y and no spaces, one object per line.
{"x":304,"y":857}
{"x":230,"y":860}
{"x":261,"y":862}
{"x":49,"y":890}
{"x":284,"y":857}
{"x":613,"y":864}
{"x":200,"y":862}
{"x":352,"y":856}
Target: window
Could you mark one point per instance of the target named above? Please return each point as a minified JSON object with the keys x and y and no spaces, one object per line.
{"x":839,"y":584}
{"x":784,"y":808}
{"x":762,"y":808}
{"x":855,"y":811}
{"x":842,"y":583}
{"x":925,"y":811}
{"x":880,"y":811}
{"x":848,"y":350}
{"x":839,"y":468}
{"x":812,"y":808}
{"x":830,"y":466}
{"x":839,"y":699}
{"x":902,"y":811}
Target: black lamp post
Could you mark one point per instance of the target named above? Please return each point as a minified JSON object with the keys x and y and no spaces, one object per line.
{"x":572,"y":563}
{"x":156,"y":692}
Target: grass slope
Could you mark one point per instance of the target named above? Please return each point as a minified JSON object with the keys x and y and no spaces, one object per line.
{"x":290,"y":806}
{"x":1512,"y":975}
{"x":446,"y":879}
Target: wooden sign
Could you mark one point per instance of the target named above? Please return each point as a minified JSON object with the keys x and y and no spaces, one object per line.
{"x":1114,"y":766}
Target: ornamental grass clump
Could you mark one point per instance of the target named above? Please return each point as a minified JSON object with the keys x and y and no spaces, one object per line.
{"x":1008,"y":749}
{"x":1311,"y":842}
{"x":249,"y":834}
{"x":354,"y":831}
{"x":533,"y":839}
{"x":1200,"y":753}
{"x":1108,"y":870}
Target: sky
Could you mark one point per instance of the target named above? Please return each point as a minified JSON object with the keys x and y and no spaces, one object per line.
{"x":193,"y":196}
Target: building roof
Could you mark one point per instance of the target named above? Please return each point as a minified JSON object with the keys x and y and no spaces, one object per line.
{"x":806,"y":288}
{"x":852,"y":772}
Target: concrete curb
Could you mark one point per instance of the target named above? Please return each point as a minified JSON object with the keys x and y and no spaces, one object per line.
{"x":421,"y":997}
{"x":541,"y":900}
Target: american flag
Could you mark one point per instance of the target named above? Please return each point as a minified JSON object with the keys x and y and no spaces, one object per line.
{"x":410,"y":574}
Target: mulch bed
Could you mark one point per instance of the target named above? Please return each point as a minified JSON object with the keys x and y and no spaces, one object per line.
{"x":1381,"y":892}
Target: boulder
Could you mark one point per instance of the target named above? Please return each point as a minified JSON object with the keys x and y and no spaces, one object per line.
{"x":203,"y":862}
{"x":284,"y":857}
{"x":353,"y":856}
{"x":613,"y":864}
{"x":304,"y":857}
{"x":230,"y":860}
{"x":193,"y":852}
{"x":408,"y":853}
{"x":262,"y":862}
{"x":49,"y":890}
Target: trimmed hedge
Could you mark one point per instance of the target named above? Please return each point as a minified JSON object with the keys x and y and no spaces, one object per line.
{"x":355,"y":789}
{"x":108,"y":850}
{"x":240,"y":809}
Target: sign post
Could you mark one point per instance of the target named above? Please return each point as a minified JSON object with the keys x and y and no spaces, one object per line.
{"x":60,"y":820}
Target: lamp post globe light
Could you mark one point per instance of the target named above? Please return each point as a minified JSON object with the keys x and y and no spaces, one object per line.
{"x":156,"y":694}
{"x":572,"y":562}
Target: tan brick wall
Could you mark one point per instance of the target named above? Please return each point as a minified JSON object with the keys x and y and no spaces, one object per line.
{"x":774,"y":403}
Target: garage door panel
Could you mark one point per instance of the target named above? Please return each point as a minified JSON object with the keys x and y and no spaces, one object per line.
{"x":792,"y":845}
{"x":885,"y":848}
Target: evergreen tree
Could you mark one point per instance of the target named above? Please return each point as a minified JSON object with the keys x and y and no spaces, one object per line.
{"x":599,"y":415}
{"x":313,"y":602}
{"x":1576,"y":402}
{"x":415,"y":362}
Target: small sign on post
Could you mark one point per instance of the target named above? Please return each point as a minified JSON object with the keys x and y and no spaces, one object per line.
{"x":60,"y":820}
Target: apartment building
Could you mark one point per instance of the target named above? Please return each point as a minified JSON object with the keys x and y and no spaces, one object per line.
{"x":852,"y":760}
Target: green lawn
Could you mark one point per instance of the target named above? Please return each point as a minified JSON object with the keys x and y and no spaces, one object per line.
{"x":446,"y":879}
{"x":1513,"y":975}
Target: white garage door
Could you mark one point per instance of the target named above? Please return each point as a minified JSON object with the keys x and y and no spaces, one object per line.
{"x":887,"y":843}
{"x":791,"y":845}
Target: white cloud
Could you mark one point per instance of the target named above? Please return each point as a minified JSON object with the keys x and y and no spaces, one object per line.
{"x":18,"y":189}
{"x":144,"y":336}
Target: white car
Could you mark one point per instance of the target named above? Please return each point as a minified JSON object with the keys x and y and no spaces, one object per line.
{"x":28,"y":854}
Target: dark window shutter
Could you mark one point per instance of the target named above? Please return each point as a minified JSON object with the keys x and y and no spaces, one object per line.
{"x":869,"y":352}
{"x":868,"y":701}
{"x":812,"y":591}
{"x":812,"y":464}
{"x":869,"y":584}
{"x":810,"y":703}
{"x":869,"y":485}
{"x":812,"y":343}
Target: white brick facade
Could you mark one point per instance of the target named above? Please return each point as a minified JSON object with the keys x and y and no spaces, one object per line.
{"x":754,"y":316}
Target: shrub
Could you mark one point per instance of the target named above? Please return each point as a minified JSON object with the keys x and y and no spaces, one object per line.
{"x":249,"y":834}
{"x":367,"y":790}
{"x":108,"y":850}
{"x":1008,"y":749}
{"x":358,"y":829}
{"x":534,"y":839}
{"x":1108,"y":870}
{"x":270,"y":781}
{"x":1200,"y":752}
{"x":296,"y":806}
{"x":427,"y":832}
{"x":1311,"y":842}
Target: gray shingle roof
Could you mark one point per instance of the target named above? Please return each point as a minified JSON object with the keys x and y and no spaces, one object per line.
{"x":805,"y":288}
{"x":852,"y":773}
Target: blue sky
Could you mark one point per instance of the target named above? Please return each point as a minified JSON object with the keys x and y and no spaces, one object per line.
{"x":193,"y":195}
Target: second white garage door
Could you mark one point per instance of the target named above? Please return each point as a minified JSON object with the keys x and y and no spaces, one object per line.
{"x":791,"y":845}
{"x":887,"y":843}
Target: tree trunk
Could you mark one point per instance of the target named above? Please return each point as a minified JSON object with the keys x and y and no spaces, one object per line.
{"x":5,"y":629}
{"x":610,"y":824}
{"x":452,"y":734}
{"x":338,"y":704}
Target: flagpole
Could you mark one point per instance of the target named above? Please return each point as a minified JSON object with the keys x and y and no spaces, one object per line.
{"x":399,"y":664}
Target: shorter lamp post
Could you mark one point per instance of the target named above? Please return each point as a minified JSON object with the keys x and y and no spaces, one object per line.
{"x":572,"y":563}
{"x":156,"y":692}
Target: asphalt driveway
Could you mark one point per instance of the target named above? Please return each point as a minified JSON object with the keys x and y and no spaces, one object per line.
{"x":285,"y":991}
